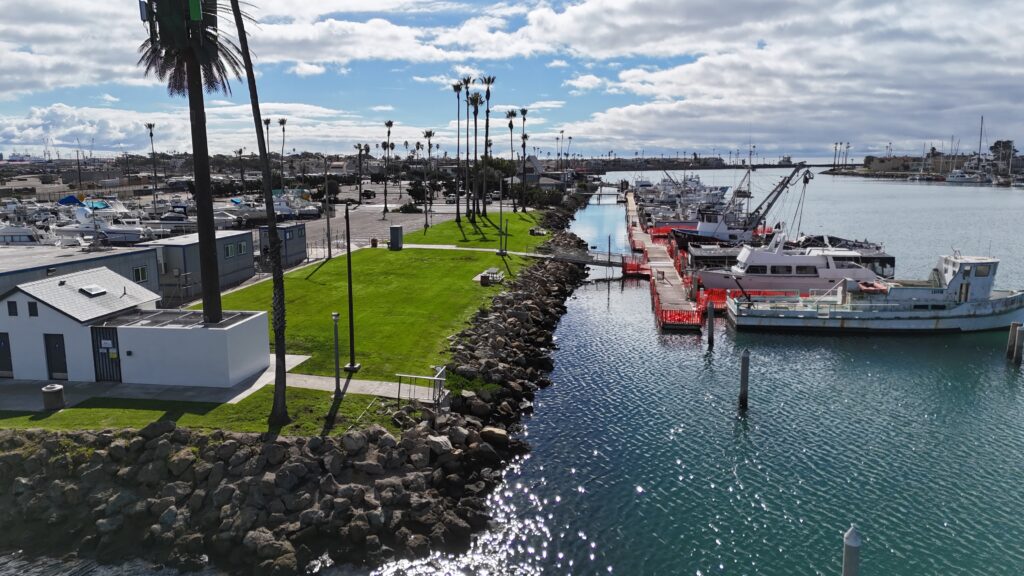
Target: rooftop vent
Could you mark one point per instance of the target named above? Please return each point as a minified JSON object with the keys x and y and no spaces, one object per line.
{"x":92,"y":290}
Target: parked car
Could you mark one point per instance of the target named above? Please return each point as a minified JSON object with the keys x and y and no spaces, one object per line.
{"x":369,"y":194}
{"x":449,"y":199}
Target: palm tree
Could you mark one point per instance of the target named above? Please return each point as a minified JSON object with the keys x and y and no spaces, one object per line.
{"x":511,"y":115}
{"x":429,"y":135}
{"x":522,"y":200}
{"x":487,"y":81}
{"x":189,"y":66}
{"x":152,"y":149}
{"x":457,"y":88}
{"x":475,"y":101}
{"x":266,"y":124}
{"x":359,"y":163}
{"x":467,"y":81}
{"x":279,"y":409}
{"x":282,"y":122}
{"x":387,"y":161}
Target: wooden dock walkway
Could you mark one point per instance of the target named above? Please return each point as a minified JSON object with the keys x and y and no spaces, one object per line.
{"x":673,"y":308}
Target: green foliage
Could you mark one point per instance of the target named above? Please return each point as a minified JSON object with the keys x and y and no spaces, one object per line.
{"x":484,"y":232}
{"x":308,"y":409}
{"x":456,"y":383}
{"x":409,"y":208}
{"x":417,"y":191}
{"x":407,"y":303}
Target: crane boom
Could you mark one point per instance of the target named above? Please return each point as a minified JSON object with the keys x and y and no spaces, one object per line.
{"x":755,"y":218}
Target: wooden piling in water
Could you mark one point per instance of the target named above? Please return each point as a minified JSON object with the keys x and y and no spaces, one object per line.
{"x":744,"y":378}
{"x":1018,"y":348}
{"x":711,"y":326}
{"x":1011,"y":342}
{"x":851,"y":552}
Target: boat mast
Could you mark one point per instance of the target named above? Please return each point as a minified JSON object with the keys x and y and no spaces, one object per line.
{"x":981,"y":131}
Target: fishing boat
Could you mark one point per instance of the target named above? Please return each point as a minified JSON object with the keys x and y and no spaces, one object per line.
{"x":89,"y":226}
{"x":774,"y":267}
{"x":958,"y":296}
{"x":13,"y":235}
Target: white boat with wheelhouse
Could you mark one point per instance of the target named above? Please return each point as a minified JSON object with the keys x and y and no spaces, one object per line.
{"x":958,"y":296}
{"x":776,"y":267}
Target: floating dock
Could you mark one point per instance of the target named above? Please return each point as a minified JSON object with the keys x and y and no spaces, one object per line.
{"x":670,"y":294}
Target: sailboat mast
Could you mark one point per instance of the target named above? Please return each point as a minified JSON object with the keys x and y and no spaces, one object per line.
{"x":981,"y":131}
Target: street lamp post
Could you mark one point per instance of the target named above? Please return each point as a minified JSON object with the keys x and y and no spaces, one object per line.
{"x":337,"y":370}
{"x":351,"y":367}
{"x":501,"y":217}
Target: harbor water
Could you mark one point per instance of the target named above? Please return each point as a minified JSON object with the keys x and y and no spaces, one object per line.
{"x":640,"y":464}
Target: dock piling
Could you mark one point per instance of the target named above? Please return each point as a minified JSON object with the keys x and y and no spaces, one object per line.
{"x":744,"y":379}
{"x":1018,"y":348}
{"x":851,"y":552}
{"x":711,"y":327}
{"x":1011,"y":343}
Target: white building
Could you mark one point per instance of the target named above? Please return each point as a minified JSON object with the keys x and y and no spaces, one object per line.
{"x":97,"y":325}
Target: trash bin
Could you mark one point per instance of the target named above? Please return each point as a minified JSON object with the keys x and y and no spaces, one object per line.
{"x":396,"y":237}
{"x":53,"y":397}
{"x":373,"y":242}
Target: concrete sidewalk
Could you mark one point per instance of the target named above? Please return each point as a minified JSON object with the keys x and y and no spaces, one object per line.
{"x":26,"y":395}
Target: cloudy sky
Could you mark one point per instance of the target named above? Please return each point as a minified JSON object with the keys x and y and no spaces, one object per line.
{"x":664,"y":77}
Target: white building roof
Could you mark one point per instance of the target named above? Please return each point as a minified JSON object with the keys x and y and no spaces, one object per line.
{"x":189,"y":239}
{"x":89,"y":294}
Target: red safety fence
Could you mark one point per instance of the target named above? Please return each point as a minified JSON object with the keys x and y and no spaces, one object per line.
{"x":717,"y":296}
{"x":674,"y":318}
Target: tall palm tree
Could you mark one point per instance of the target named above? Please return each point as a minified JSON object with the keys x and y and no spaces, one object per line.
{"x":387,"y":161}
{"x":467,"y":81}
{"x":281,"y":122}
{"x":190,"y":65}
{"x":457,"y":88}
{"x":429,"y":200}
{"x":522,"y":199}
{"x":359,"y":163}
{"x":487,"y":81}
{"x":511,"y":115}
{"x":152,"y":149}
{"x":266,"y":124}
{"x":279,"y":409}
{"x":475,"y":101}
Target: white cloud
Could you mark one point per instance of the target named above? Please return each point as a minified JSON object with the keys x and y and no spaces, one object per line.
{"x":546,"y":105}
{"x":109,"y":98}
{"x":306,"y":69}
{"x":464,"y":70}
{"x":584,"y":83}
{"x":557,"y":64}
{"x":382,"y":108}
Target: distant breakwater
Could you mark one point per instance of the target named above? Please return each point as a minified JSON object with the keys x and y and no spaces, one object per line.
{"x":263,"y":504}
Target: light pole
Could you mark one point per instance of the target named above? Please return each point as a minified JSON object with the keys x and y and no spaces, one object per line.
{"x":351,"y":367}
{"x":501,"y":217}
{"x":327,"y":210}
{"x":337,"y":370}
{"x":152,"y":149}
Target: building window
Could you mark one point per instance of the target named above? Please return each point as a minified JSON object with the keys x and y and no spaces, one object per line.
{"x":243,"y":247}
{"x":12,"y":308}
{"x":302,"y":232}
{"x":33,"y":309}
{"x":140,"y":274}
{"x":229,"y":250}
{"x":288,"y":235}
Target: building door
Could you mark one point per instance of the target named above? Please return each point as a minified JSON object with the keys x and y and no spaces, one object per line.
{"x":106,"y":355}
{"x":56,"y":357}
{"x":6,"y":367}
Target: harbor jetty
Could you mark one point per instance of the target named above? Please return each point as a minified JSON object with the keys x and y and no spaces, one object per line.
{"x":671,"y":298}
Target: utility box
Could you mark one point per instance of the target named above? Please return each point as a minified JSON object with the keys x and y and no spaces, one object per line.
{"x":396,"y":237}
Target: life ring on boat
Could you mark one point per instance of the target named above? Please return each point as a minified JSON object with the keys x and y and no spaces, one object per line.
{"x":873,"y":287}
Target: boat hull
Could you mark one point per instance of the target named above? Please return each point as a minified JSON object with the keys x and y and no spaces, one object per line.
{"x":895,"y":322}
{"x":714,"y":279}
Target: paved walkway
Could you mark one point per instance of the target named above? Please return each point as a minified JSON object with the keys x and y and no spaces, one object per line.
{"x":25,"y":395}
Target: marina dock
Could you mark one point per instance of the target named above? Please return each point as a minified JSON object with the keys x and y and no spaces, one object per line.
{"x":670,"y":295}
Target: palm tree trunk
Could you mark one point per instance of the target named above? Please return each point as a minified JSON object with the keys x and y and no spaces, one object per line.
{"x":476,"y":169}
{"x":212,"y":313}
{"x":469,"y":213}
{"x":458,"y":147}
{"x":487,"y":155}
{"x":279,"y":410}
{"x":512,"y":158}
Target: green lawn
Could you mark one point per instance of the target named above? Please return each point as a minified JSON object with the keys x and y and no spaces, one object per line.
{"x":308,"y":409}
{"x":407,"y":304}
{"x":484,"y":233}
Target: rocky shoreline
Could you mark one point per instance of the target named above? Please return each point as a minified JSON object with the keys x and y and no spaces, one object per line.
{"x":260,"y":504}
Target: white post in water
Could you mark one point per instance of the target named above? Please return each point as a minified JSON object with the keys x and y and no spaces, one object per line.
{"x":851,"y":552}
{"x":1011,"y":343}
{"x":744,"y":377}
{"x":711,"y":325}
{"x":1018,"y":348}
